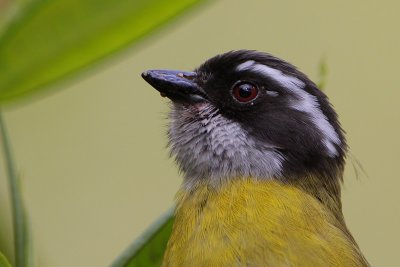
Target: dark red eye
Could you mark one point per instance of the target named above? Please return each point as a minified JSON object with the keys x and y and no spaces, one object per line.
{"x":244,"y":92}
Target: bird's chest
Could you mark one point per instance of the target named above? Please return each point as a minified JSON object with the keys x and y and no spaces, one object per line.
{"x":257,"y":223}
{"x":241,"y":225}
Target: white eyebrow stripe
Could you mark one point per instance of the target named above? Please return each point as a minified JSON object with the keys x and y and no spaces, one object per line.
{"x":304,"y":101}
{"x":245,"y":66}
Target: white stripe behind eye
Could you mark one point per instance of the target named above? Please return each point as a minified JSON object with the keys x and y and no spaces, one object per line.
{"x":246,"y":65}
{"x":303,"y":101}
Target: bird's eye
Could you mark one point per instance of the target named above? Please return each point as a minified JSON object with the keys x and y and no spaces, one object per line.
{"x":244,"y":92}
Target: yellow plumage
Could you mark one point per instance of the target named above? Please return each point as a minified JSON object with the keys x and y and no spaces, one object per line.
{"x":248,"y":222}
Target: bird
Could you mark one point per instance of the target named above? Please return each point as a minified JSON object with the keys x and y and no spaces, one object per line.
{"x":262,"y":155}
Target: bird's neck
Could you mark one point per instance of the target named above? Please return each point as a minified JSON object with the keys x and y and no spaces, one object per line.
{"x":325,"y":192}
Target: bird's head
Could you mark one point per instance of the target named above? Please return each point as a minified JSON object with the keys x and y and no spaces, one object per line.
{"x":250,"y":114}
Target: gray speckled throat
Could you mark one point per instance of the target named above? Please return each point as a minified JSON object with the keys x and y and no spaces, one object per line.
{"x":207,"y":145}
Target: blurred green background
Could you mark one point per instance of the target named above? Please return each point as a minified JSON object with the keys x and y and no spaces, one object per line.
{"x":94,"y":168}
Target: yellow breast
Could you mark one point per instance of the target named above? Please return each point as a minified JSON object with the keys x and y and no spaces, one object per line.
{"x":257,"y":223}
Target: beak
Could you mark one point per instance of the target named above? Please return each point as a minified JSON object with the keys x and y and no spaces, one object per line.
{"x":179,"y":86}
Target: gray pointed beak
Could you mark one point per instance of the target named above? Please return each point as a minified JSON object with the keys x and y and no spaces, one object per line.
{"x":179,"y":86}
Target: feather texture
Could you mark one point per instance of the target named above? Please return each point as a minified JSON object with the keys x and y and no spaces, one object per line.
{"x":249,"y":222}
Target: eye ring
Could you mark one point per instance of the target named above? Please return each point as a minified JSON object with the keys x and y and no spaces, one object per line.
{"x":244,"y":92}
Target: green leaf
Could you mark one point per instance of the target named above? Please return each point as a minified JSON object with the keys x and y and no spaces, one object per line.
{"x":148,"y":250}
{"x":22,"y":244}
{"x":3,"y":261}
{"x":51,"y":39}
